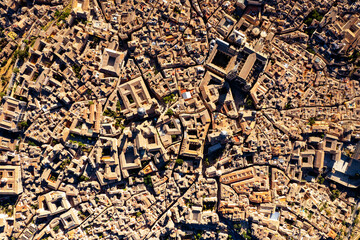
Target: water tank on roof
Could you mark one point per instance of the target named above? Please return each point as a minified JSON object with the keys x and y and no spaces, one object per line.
{"x":223,"y":134}
{"x":263,"y":34}
{"x":255,"y":32}
{"x":141,"y":111}
{"x":46,"y":163}
{"x":246,"y":87}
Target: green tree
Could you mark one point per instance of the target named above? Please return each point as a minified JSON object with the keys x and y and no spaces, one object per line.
{"x":118,"y":106}
{"x":356,"y":221}
{"x":179,"y":161}
{"x":147,"y":181}
{"x":83,"y":178}
{"x":64,"y":14}
{"x":109,"y":113}
{"x":309,"y":48}
{"x":23,"y":124}
{"x":57,"y":13}
{"x":22,"y":54}
{"x":198,"y":236}
{"x":288,"y":105}
{"x":170,"y":98}
{"x":312,"y":121}
{"x":335,"y":194}
{"x":206,"y":162}
{"x":177,"y":10}
{"x":32,"y":143}
{"x":249,"y":103}
{"x":56,"y":228}
{"x":77,"y":70}
{"x":321,"y":180}
{"x":169,"y":112}
{"x":314,"y":14}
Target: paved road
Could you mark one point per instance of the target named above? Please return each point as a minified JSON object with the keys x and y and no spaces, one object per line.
{"x":353,"y":216}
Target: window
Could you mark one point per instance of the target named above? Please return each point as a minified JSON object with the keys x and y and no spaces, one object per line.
{"x":58,"y":203}
{"x":193,"y":147}
{"x":141,"y":96}
{"x":11,"y":108}
{"x":68,"y":220}
{"x":130,"y":98}
{"x":111,"y":61}
{"x":4,"y":143}
{"x":151,"y":140}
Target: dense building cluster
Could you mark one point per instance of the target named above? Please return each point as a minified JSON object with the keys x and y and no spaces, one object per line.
{"x":179,"y":119}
